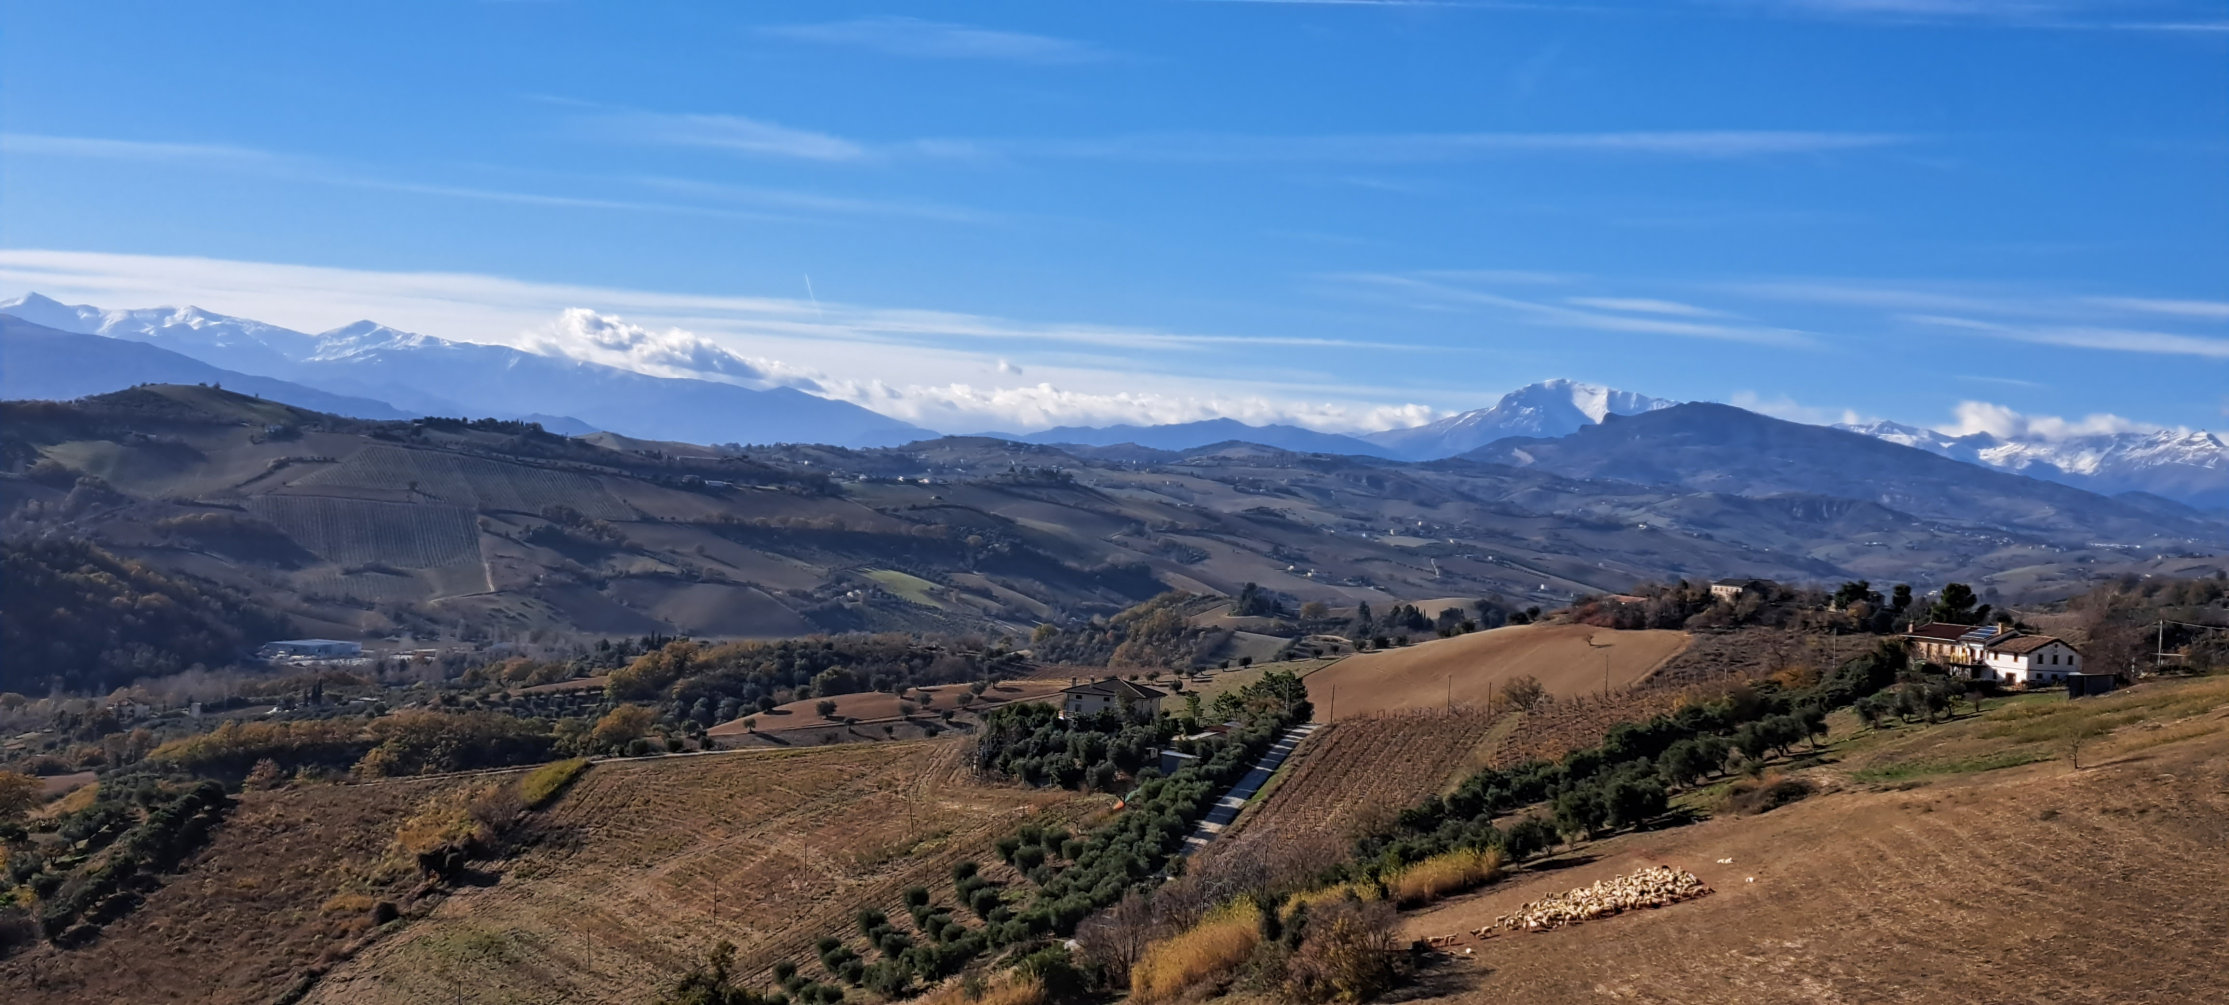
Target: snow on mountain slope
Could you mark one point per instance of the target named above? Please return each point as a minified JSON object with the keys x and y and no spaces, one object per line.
{"x":2189,"y":466}
{"x":426,"y":375}
{"x":1548,"y":408}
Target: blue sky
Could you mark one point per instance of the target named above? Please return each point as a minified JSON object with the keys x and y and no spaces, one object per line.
{"x":1013,"y":215}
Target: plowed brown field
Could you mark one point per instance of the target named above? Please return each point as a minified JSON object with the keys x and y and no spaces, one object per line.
{"x":2028,"y":884}
{"x":1355,"y":773}
{"x":644,"y":864}
{"x":1568,"y":660}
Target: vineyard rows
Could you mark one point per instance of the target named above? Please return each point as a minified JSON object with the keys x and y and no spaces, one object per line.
{"x":356,"y":531}
{"x":1357,"y":771}
{"x":472,"y":482}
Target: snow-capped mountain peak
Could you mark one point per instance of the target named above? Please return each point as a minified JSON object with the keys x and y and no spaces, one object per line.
{"x":1549,"y":408}
{"x":2189,"y":465}
{"x":51,"y":313}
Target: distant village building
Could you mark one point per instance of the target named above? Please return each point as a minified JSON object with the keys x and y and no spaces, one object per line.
{"x":1998,"y":653}
{"x":323,"y":649}
{"x":1111,"y":695}
{"x":1730,"y":590}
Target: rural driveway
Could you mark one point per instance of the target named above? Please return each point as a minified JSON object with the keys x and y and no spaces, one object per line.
{"x":1226,"y":809}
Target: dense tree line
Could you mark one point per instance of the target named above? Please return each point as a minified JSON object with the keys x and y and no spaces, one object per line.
{"x":75,"y":617}
{"x":1156,"y":633}
{"x":1031,"y":743}
{"x":1068,"y":876}
{"x":1625,"y":780}
{"x":714,"y":683}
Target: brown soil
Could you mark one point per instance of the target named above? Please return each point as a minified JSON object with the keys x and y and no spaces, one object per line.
{"x":2035,"y":883}
{"x":643,"y":865}
{"x":1354,"y":774}
{"x":246,"y":918}
{"x":800,"y":723}
{"x":1568,"y":660}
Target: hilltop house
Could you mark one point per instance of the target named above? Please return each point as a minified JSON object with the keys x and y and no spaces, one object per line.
{"x":1730,"y":590}
{"x":1996,"y":652}
{"x":1111,"y":695}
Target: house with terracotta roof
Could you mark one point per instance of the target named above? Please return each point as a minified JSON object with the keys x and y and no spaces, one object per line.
{"x":1959,"y":647}
{"x":2028,"y":660}
{"x":1996,"y":652}
{"x":1111,"y":694}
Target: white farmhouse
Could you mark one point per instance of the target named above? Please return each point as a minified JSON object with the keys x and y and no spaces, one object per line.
{"x":1111,"y":695}
{"x":2026,"y":660}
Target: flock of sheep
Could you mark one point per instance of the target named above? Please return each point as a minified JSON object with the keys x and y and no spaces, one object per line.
{"x":1652,"y":887}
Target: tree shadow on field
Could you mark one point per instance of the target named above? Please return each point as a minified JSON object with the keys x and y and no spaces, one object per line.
{"x":1440,"y":976}
{"x":1561,"y":862}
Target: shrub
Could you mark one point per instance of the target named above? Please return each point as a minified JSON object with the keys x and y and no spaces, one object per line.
{"x":1443,"y":875}
{"x":1749,"y":798}
{"x":543,"y":784}
{"x":1220,"y":943}
{"x":1346,"y":953}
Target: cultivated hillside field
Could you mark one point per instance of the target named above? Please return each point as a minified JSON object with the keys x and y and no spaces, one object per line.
{"x":643,"y":865}
{"x":283,"y":887}
{"x":800,"y":723}
{"x":1568,"y":660}
{"x":1923,"y":873}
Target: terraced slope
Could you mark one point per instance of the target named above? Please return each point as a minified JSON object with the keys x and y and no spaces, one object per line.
{"x":644,"y":864}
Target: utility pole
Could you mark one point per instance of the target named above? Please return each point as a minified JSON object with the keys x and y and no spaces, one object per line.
{"x":1451,"y":692}
{"x":1605,"y":676}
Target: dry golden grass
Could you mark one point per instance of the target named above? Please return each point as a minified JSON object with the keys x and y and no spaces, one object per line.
{"x":1569,"y":660}
{"x":284,"y":885}
{"x":1010,"y":989}
{"x":1444,"y":875}
{"x":1219,"y":943}
{"x":2093,"y":884}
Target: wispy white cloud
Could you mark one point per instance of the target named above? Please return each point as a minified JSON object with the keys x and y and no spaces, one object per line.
{"x":915,"y":37}
{"x":97,"y":148}
{"x":735,"y":134}
{"x":2084,"y":337}
{"x":713,"y":200}
{"x":814,"y":202}
{"x":1439,"y":295}
{"x":2168,"y":16}
{"x":2204,"y":310}
{"x":1645,"y":305}
{"x":1781,"y":406}
{"x":1409,"y":148}
{"x":953,"y":371}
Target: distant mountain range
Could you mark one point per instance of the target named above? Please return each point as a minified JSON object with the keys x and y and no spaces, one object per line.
{"x":42,"y":362}
{"x":373,"y":371}
{"x":1549,"y":408}
{"x":422,"y":375}
{"x":2187,"y":466}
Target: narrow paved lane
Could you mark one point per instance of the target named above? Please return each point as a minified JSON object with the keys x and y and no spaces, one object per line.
{"x":1226,"y":809}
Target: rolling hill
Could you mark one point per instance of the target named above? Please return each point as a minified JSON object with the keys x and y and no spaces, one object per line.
{"x":495,"y":529}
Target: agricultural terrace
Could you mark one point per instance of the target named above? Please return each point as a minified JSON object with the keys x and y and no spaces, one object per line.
{"x":2092,"y":884}
{"x":1353,"y":775}
{"x":1473,"y":669}
{"x":643,"y":865}
{"x":288,"y":881}
{"x":862,"y":715}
